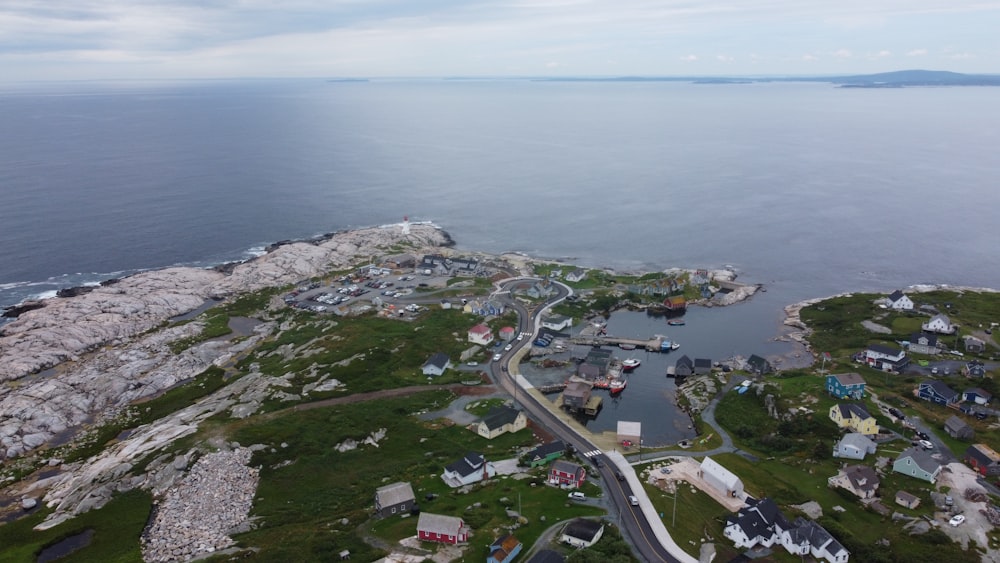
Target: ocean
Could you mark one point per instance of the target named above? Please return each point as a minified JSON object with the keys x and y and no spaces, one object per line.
{"x":809,"y":189}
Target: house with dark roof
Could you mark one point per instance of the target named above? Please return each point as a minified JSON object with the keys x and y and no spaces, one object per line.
{"x":924,"y":343}
{"x":576,"y":394}
{"x":977,"y":395}
{"x":974,"y":368}
{"x":846,"y":385}
{"x":436,"y":364}
{"x":683,"y":367}
{"x":576,"y":275}
{"x":504,"y":549}
{"x":581,"y":533}
{"x":702,"y":366}
{"x":899,"y":301}
{"x":916,"y":462}
{"x":567,"y":474}
{"x":441,"y":528}
{"x":472,"y":468}
{"x":557,"y":322}
{"x":500,"y":420}
{"x":957,"y":428}
{"x":806,"y":537}
{"x":983,"y":459}
{"x":759,"y":365}
{"x":596,"y":364}
{"x":939,"y":323}
{"x":545,"y":453}
{"x":937,"y":392}
{"x":394,"y":499}
{"x":885,"y":358}
{"x":854,"y":416}
{"x":973,"y":345}
{"x":860,"y":480}
{"x":761,"y":523}
{"x":854,"y":446}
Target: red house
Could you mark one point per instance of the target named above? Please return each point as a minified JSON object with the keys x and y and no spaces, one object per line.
{"x":567,"y":474}
{"x":442,"y":529}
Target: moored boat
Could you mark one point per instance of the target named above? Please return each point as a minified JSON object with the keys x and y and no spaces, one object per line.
{"x":630,"y":364}
{"x":676,"y":322}
{"x":617,"y":386}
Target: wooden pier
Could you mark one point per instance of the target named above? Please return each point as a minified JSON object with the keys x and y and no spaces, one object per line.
{"x":653,"y":344}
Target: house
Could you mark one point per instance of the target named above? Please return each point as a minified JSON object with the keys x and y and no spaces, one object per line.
{"x":860,"y":480}
{"x":484,"y":308}
{"x":721,"y":479}
{"x":906,"y":499}
{"x":576,"y":275}
{"x":441,"y":528}
{"x":400,"y":261}
{"x":581,"y":532}
{"x":500,"y":420}
{"x":983,"y":459}
{"x":846,"y":385}
{"x":761,"y":523}
{"x":436,"y":364}
{"x":465,"y":267}
{"x":759,"y":365}
{"x":576,"y":394}
{"x":924,"y":343}
{"x":507,"y":333}
{"x":916,"y":462}
{"x":899,"y":301}
{"x":937,"y":392}
{"x":854,"y":446}
{"x":702,"y":366}
{"x":886,"y":358}
{"x":854,"y":416}
{"x":596,"y":364}
{"x":957,"y":428}
{"x":541,"y":289}
{"x":683,"y":367}
{"x":393,"y":499}
{"x":567,"y":474}
{"x":974,"y":368}
{"x":481,"y":334}
{"x":545,"y":453}
{"x":675,"y":303}
{"x":977,"y":395}
{"x":470,"y":469}
{"x":973,"y":345}
{"x":557,"y":322}
{"x":504,"y":549}
{"x":939,"y":323}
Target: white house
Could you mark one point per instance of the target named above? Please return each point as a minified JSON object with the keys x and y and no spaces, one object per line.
{"x":436,"y":364}
{"x":854,"y":446}
{"x":582,"y":533}
{"x":721,"y":479}
{"x":576,"y":275}
{"x":557,"y":322}
{"x":899,"y":301}
{"x":480,"y":334}
{"x":761,"y":523}
{"x":470,"y":469}
{"x":886,"y":358}
{"x":940,"y":324}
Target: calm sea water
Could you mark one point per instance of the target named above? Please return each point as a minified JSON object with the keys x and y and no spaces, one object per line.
{"x":807,"y":188}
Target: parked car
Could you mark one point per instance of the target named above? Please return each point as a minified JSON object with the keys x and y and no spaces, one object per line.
{"x":472,"y":364}
{"x":496,"y":357}
{"x":926,"y":444}
{"x":577,"y":495}
{"x":635,"y":502}
{"x":922,"y":435}
{"x":957,"y":519}
{"x":508,"y":347}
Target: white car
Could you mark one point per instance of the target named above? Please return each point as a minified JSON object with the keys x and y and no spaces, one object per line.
{"x":472,"y":364}
{"x":520,"y":337}
{"x":926,"y":444}
{"x":956,"y":519}
{"x":577,"y":495}
{"x":496,"y":357}
{"x":633,"y":501}
{"x":508,"y":347}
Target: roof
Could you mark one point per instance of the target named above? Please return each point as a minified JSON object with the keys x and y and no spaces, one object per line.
{"x":629,"y":428}
{"x":567,"y":467}
{"x":855,"y":409}
{"x":709,"y":465}
{"x":978,"y":391}
{"x":583,"y":529}
{"x":439,"y":523}
{"x":394,"y":494}
{"x":862,"y":477}
{"x":500,"y":416}
{"x":982,"y":453}
{"x":758,"y":517}
{"x":882,"y":348}
{"x":849,"y":378}
{"x":501,"y":548}
{"x":921,"y":458}
{"x":896,"y":296}
{"x":931,"y":337}
{"x":816,"y":535}
{"x":506,"y":329}
{"x":955,"y":424}
{"x":577,"y":389}
{"x":440,"y":359}
{"x":702,"y":362}
{"x":857,"y":440}
{"x":685,"y":361}
{"x":468,"y":465}
{"x":479,"y":329}
{"x":940,"y":317}
{"x":939,"y":387}
{"x":906,"y":497}
{"x":546,"y":450}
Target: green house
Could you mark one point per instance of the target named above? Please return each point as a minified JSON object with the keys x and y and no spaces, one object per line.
{"x":545,"y":453}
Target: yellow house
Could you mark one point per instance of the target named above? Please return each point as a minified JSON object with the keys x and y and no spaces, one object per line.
{"x":500,"y":420}
{"x":855,"y":417}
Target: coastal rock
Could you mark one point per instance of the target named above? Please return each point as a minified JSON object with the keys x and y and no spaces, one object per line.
{"x":28,"y":503}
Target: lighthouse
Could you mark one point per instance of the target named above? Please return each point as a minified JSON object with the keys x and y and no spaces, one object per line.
{"x":406,"y":225}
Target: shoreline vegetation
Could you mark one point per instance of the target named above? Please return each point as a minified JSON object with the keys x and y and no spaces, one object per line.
{"x":121,"y":388}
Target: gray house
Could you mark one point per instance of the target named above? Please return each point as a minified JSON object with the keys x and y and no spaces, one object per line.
{"x":702,"y":366}
{"x":394,"y":499}
{"x":684,"y":367}
{"x":854,"y":446}
{"x":957,"y":428}
{"x":436,"y":364}
{"x":916,"y":462}
{"x":923,"y":343}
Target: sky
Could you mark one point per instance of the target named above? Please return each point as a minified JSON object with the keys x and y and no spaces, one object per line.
{"x":177,"y":39}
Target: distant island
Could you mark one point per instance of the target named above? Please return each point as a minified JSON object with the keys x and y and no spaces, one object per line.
{"x":895,"y":79}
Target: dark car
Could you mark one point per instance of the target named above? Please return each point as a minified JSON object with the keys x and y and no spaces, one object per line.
{"x":619,"y":476}
{"x":897,"y":413}
{"x":923,"y":436}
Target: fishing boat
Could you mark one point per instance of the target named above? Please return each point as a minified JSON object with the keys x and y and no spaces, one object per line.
{"x":630,"y":364}
{"x":617,"y":386}
{"x":676,"y":322}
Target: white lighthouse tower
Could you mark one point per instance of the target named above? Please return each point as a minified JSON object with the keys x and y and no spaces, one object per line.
{"x":406,"y":225}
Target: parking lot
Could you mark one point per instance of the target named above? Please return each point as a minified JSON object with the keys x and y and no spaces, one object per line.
{"x":354,"y":294}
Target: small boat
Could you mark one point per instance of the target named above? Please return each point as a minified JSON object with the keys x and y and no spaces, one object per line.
{"x":627,"y":346}
{"x":676,"y":322}
{"x":674,"y":345}
{"x":630,"y":364}
{"x":617,"y":386}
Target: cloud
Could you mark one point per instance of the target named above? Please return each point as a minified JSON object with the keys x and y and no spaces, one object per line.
{"x":808,"y":57}
{"x":551,"y":64}
{"x":842,"y":54}
{"x":724,"y":58}
{"x":883,"y":54}
{"x":961,"y":56}
{"x":916,"y":53}
{"x":689,"y":58}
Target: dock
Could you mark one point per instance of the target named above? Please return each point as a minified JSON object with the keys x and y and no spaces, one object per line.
{"x":654,"y":344}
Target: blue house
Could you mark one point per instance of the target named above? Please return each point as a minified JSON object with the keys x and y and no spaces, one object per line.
{"x":937,"y":392}
{"x":846,"y":385}
{"x":504,"y":549}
